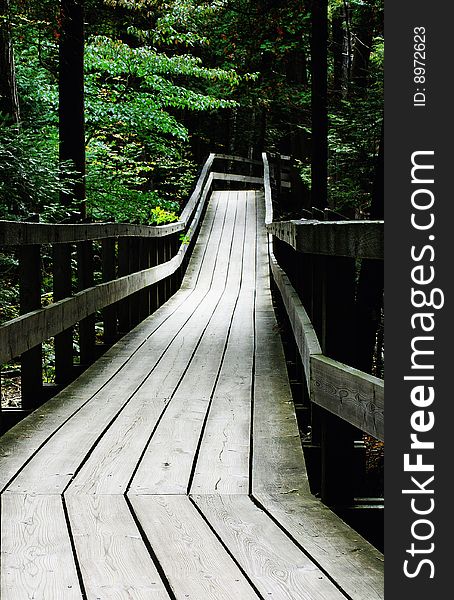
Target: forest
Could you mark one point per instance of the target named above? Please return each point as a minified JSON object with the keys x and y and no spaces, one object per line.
{"x":109,"y":108}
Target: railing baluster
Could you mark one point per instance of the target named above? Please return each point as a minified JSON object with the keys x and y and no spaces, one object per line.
{"x":109,"y":313}
{"x":124,"y":318}
{"x":85,"y":276}
{"x":30,"y":299}
{"x":62,"y":288}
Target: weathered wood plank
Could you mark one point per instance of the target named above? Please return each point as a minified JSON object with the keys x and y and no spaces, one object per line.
{"x":16,"y":233}
{"x":223,"y":459}
{"x":277,"y":457}
{"x":276,"y":566}
{"x":25,"y":332}
{"x":357,"y":239}
{"x":239,"y":178}
{"x":229,"y":157}
{"x":195,"y":563}
{"x":37,"y":559}
{"x":112,"y":462}
{"x":19,"y":444}
{"x":348,"y":393}
{"x":167,"y":464}
{"x":305,"y":336}
{"x":113,"y":558}
{"x":355,"y":565}
{"x":52,"y":469}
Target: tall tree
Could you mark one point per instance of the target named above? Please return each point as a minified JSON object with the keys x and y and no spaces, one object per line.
{"x":71,"y":96}
{"x":9,"y":100}
{"x":319,"y":59}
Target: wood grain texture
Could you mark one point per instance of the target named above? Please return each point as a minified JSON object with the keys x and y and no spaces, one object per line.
{"x":27,"y":331}
{"x":223,"y":460}
{"x":14,"y":233}
{"x":113,"y":558}
{"x":350,"y":394}
{"x":357,"y":239}
{"x":238,"y":178}
{"x":195,"y":563}
{"x":37,"y":559}
{"x":277,"y":457}
{"x":51,"y":471}
{"x":350,"y":560}
{"x":167,"y":464}
{"x":276,"y":566}
{"x":305,"y":336}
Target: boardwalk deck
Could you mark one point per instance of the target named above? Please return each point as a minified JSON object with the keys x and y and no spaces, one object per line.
{"x":172,"y":468}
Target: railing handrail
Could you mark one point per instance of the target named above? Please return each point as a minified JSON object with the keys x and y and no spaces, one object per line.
{"x":14,"y":233}
{"x":28,"y":330}
{"x":352,"y":395}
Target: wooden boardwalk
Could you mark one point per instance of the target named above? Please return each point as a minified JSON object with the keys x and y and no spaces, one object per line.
{"x":172,"y":468}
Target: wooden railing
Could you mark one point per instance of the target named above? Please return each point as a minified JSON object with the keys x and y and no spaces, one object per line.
{"x":310,"y":250}
{"x":140,"y":267}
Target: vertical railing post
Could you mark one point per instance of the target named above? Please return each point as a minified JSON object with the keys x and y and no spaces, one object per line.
{"x":160,"y":258}
{"x":109,"y":313}
{"x":62,"y":288}
{"x":85,"y":277}
{"x":153,"y":261}
{"x":144,"y":263}
{"x":124,"y":318}
{"x":30,"y":299}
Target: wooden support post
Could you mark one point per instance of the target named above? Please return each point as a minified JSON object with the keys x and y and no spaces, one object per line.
{"x":160,"y":258}
{"x":124,"y":319}
{"x":109,"y":313}
{"x":62,"y":288}
{"x":30,"y":299}
{"x":85,"y":277}
{"x":134,"y":266}
{"x":153,"y":261}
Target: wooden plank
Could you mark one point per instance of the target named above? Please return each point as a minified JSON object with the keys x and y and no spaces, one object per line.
{"x":274,"y":564}
{"x":268,"y":216}
{"x":305,"y":336}
{"x":62,"y":288}
{"x":37,"y":559}
{"x":229,"y":157}
{"x":356,"y":397}
{"x":25,"y":332}
{"x":356,"y":239}
{"x":355,"y":565}
{"x":18,"y":445}
{"x":223,"y":459}
{"x":109,"y":313}
{"x":167,"y":463}
{"x":239,"y":178}
{"x":194,"y":561}
{"x":30,"y":299}
{"x":53,"y":468}
{"x":277,"y":458}
{"x":16,"y":233}
{"x":113,"y":558}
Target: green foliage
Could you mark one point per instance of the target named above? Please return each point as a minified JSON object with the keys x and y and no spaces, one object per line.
{"x":30,"y":176}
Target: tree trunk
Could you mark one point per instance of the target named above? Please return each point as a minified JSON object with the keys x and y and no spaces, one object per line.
{"x":369,"y":298}
{"x":9,"y":100}
{"x":362,"y":48}
{"x":71,"y":96}
{"x":337,"y":35}
{"x":319,"y":59}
